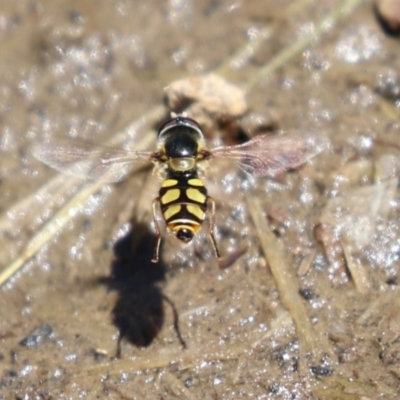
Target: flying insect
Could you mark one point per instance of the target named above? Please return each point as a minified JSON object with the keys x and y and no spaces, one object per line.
{"x":181,"y":161}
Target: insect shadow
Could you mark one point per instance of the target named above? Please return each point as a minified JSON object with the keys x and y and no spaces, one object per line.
{"x":139,"y":310}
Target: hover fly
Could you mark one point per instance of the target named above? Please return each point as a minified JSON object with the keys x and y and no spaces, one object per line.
{"x":181,"y":160}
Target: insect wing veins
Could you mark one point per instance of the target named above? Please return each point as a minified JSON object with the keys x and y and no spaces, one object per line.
{"x":267,"y":155}
{"x":87,"y":160}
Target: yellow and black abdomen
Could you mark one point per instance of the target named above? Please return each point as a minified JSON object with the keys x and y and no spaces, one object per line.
{"x":183,"y":201}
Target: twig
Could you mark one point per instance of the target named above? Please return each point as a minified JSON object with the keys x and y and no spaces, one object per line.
{"x":279,"y":264}
{"x":358,"y":272}
{"x":284,"y":56}
{"x":247,"y":52}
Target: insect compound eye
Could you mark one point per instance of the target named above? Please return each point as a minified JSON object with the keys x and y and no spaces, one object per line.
{"x":185,"y":235}
{"x":180,"y":122}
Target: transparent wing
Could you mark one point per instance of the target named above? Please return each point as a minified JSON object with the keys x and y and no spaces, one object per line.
{"x":267,"y":155}
{"x":87,"y":160}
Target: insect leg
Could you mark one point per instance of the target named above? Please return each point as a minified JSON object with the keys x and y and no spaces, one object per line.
{"x":155,"y":258}
{"x":212,"y":225}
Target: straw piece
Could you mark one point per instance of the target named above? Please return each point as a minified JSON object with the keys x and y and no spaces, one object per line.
{"x":297,"y":47}
{"x":357,"y":271}
{"x":310,"y":341}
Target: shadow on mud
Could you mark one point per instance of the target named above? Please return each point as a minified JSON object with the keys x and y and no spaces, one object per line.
{"x":139,"y":310}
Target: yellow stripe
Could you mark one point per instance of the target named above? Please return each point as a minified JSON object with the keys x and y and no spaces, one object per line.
{"x":196,"y":211}
{"x":169,"y":182}
{"x":170,"y":196}
{"x":184,"y":222}
{"x":196,"y":195}
{"x":171,"y":210}
{"x":195,"y":182}
{"x":176,"y":227}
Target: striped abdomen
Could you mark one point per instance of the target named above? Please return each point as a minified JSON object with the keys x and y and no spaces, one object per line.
{"x":183,"y":201}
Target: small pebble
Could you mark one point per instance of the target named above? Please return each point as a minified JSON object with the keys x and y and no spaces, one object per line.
{"x":37,"y":336}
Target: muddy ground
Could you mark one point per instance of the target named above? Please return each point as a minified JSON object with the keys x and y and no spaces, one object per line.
{"x":306,"y":305}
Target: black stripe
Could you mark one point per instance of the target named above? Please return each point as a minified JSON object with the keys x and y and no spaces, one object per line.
{"x":185,"y":214}
{"x":182,"y":185}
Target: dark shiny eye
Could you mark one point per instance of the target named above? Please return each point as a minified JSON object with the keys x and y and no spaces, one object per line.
{"x":183,"y":145}
{"x":185,"y":235}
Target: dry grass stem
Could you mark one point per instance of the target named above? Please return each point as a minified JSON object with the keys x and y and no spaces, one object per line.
{"x":306,"y":263}
{"x":341,"y":388}
{"x":357,"y":271}
{"x":246,"y":53}
{"x":280,"y":266}
{"x":297,"y":47}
